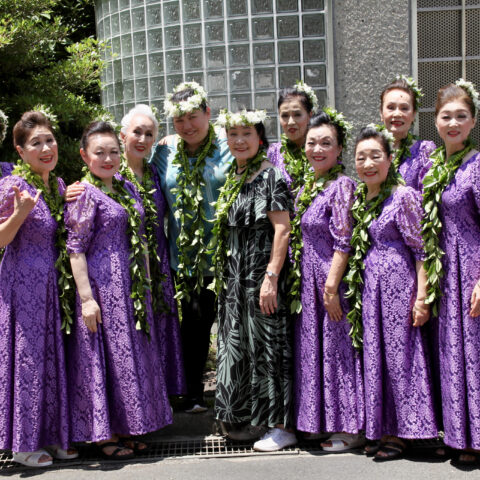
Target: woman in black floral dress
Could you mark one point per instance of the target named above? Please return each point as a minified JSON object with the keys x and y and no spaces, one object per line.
{"x":254,"y":377}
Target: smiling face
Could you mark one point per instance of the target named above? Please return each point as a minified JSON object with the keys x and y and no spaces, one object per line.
{"x":193,"y":127}
{"x":294,"y":119}
{"x":322,"y":149}
{"x":40,"y":151}
{"x":454,"y":123}
{"x":397,"y":112}
{"x":102,"y":155}
{"x":372,"y":163}
{"x":139,"y":137}
{"x":243,"y":142}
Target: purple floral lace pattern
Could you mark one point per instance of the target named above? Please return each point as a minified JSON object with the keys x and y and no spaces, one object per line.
{"x":398,"y":386}
{"x":328,"y":371}
{"x":458,"y":334}
{"x":275,"y":157}
{"x":116,"y":380}
{"x":415,"y":167}
{"x":33,"y":390}
{"x":6,"y":168}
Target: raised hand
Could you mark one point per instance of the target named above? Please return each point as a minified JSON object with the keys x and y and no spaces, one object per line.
{"x":23,"y":202}
{"x":73,"y":191}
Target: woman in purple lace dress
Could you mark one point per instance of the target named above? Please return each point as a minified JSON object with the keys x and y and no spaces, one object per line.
{"x":398,"y":390}
{"x":458,"y":325}
{"x":399,"y":102}
{"x":328,"y":370}
{"x":116,"y":382}
{"x":33,"y":386}
{"x":295,"y":107}
{"x":139,"y":131}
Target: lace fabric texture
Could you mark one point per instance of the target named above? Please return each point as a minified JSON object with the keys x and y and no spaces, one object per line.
{"x":328,"y":371}
{"x":275,"y":157}
{"x":415,"y":167}
{"x":116,"y":378}
{"x":457,"y":333}
{"x":6,"y":168}
{"x":33,"y":390}
{"x":398,"y":384}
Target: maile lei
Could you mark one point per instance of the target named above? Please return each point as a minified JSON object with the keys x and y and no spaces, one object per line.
{"x":305,"y":198}
{"x":190,"y":215}
{"x":364,"y":213}
{"x":228,"y":194}
{"x":435,"y":181}
{"x":146,"y":189}
{"x":403,"y":150}
{"x":54,"y":202}
{"x":138,"y":250}
{"x":295,"y":162}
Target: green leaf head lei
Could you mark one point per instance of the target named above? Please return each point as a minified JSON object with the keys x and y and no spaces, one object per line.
{"x":364,"y":213}
{"x":54,"y":201}
{"x":138,"y":246}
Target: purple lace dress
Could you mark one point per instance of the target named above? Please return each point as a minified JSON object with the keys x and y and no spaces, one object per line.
{"x":6,"y":168}
{"x":276,"y":158}
{"x":398,"y":386}
{"x":116,"y":380}
{"x":415,"y":167}
{"x":33,"y":386}
{"x":328,"y":371}
{"x":168,"y":326}
{"x":459,"y":333}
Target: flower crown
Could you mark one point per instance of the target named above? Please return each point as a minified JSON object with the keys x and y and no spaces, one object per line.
{"x":47,"y":112}
{"x":302,"y":87}
{"x":417,"y":92}
{"x":244,"y":118}
{"x":339,"y":119}
{"x":108,"y":118}
{"x":388,"y":136}
{"x":177,"y":109}
{"x":3,"y":126}
{"x":470,"y":89}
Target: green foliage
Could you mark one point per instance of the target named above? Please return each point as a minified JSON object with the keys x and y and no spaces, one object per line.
{"x":48,"y":56}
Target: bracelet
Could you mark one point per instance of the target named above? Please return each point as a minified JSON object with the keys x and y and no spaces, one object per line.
{"x":328,"y":294}
{"x":271,"y":274}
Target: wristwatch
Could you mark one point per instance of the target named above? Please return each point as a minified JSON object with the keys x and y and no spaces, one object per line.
{"x":271,"y":274}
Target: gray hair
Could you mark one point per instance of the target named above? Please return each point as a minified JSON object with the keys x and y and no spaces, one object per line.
{"x":140,"y":109}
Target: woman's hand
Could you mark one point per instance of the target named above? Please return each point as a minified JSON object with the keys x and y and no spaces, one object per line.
{"x":73,"y":191}
{"x":420,"y":312}
{"x":331,"y":302}
{"x":91,"y":314}
{"x":268,"y":295}
{"x":23,"y":202}
{"x":475,"y":301}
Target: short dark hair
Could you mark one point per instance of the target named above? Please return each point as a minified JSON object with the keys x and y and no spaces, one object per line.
{"x":94,"y":128}
{"x":290,"y":92}
{"x":453,"y":92}
{"x":322,"y":118}
{"x":399,"y":84}
{"x":26,"y":124}
{"x":371,"y":132}
{"x":183,"y":95}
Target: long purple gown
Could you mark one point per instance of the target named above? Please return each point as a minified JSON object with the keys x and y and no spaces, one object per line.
{"x":116,"y":381}
{"x":328,"y":371}
{"x":415,"y":167}
{"x":6,"y":168}
{"x":458,"y":332}
{"x":33,"y":385}
{"x":168,"y":325}
{"x":398,"y":385}
{"x":275,"y":157}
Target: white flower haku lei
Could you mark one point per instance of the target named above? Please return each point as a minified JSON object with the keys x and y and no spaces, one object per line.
{"x":108,"y":118}
{"x":301,"y":86}
{"x":339,"y":119}
{"x":470,"y":88}
{"x":385,"y":134}
{"x":417,"y":92}
{"x":3,"y":126}
{"x":177,"y":109}
{"x":48,"y":113}
{"x":244,"y":118}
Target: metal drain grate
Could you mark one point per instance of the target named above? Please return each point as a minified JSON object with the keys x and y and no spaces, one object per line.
{"x":209,"y":447}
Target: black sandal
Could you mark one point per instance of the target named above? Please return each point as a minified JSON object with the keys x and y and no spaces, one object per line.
{"x":115,"y":454}
{"x":473,"y":462}
{"x":139,"y":448}
{"x":392,"y":450}
{"x":371,"y":448}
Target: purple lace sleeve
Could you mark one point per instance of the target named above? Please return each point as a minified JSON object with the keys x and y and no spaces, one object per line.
{"x":408,"y":216}
{"x":341,"y":221}
{"x":273,"y":154}
{"x":7,"y":196}
{"x":426,"y":149}
{"x":476,"y":181}
{"x":79,"y":220}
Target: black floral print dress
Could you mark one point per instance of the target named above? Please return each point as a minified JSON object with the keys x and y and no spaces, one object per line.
{"x":254,"y":359}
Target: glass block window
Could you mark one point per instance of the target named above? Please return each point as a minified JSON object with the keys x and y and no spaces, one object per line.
{"x":444,"y":58}
{"x":243,"y":51}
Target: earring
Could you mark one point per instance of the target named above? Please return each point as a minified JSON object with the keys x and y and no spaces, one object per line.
{"x":261,"y":142}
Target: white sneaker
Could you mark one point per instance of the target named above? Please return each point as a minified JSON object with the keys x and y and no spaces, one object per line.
{"x":275,"y":439}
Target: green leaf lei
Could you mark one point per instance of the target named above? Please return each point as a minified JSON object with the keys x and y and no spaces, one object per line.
{"x":190,"y":213}
{"x":435,"y":181}
{"x":311,"y":190}
{"x":403,"y":150}
{"x":228,"y":194}
{"x":138,"y":246}
{"x":146,"y":188}
{"x":364,"y":213}
{"x":54,"y":201}
{"x":295,"y":162}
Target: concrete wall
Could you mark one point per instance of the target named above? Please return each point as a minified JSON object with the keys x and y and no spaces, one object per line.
{"x":371,"y":46}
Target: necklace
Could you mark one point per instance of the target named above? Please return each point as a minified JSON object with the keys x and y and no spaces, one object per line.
{"x":295,"y":162}
{"x":403,"y":150}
